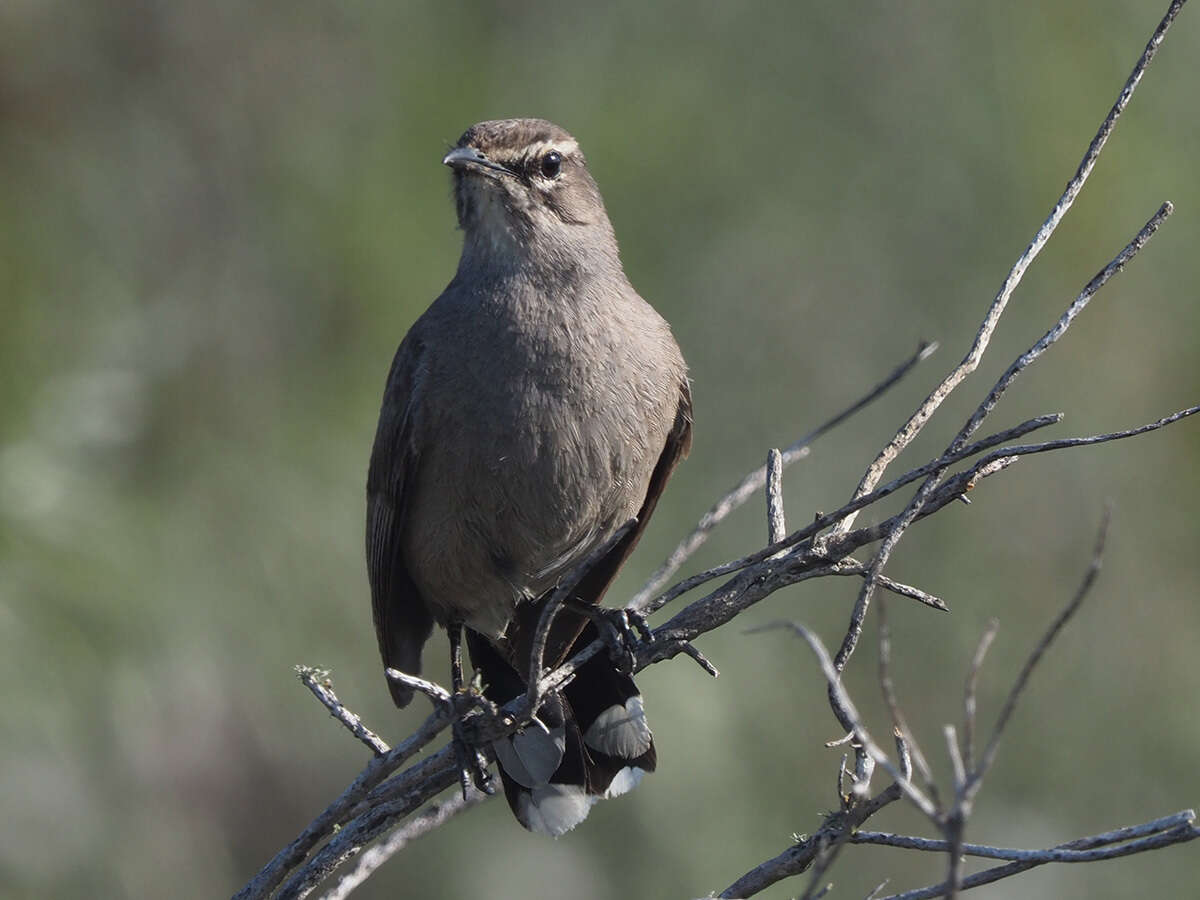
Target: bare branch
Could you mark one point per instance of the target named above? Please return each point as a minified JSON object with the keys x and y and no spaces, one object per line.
{"x":754,"y":481}
{"x":913,"y":510}
{"x":1068,"y":443}
{"x":1010,"y":704}
{"x":380,"y":768}
{"x":797,"y":859}
{"x":435,"y":692}
{"x":776,"y":523}
{"x":1075,"y":851}
{"x":969,"y":694}
{"x":913,"y":426}
{"x":823,"y":521}
{"x":384,"y":809}
{"x":861,"y":736}
{"x":429,"y":820}
{"x":1156,"y":838}
{"x":851,"y":566}
{"x":317,"y":681}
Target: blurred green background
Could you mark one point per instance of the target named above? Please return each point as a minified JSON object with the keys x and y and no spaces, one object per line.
{"x":219,"y":219}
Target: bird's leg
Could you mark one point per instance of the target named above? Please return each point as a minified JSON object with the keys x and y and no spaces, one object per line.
{"x":454,"y":631}
{"x":472,"y":763}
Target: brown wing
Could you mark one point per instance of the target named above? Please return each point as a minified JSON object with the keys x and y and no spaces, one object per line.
{"x":402,"y":621}
{"x":567,"y":626}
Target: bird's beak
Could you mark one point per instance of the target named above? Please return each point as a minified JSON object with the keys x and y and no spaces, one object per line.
{"x":470,"y":158}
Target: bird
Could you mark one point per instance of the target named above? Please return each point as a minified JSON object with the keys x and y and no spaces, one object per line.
{"x":530,"y":420}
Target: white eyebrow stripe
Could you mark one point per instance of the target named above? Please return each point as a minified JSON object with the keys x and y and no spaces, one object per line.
{"x":566,"y":148}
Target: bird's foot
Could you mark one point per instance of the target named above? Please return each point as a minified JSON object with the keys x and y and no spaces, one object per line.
{"x":623,"y":632}
{"x":472,"y":713}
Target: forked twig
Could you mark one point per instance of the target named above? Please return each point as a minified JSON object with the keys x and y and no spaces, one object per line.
{"x":753,"y":482}
{"x":913,"y":511}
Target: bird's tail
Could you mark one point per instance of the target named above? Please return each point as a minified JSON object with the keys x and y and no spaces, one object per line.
{"x":595,"y":744}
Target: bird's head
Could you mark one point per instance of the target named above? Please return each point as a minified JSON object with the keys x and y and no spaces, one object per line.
{"x":520,"y":184}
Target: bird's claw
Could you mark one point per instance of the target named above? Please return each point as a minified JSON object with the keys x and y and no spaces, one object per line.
{"x":623,"y":631}
{"x":471,"y":710}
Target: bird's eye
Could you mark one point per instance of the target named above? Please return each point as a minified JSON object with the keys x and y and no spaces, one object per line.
{"x":552,"y":164}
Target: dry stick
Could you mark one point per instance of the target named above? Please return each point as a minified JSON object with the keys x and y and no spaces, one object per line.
{"x":861,"y":736}
{"x":955,"y":821}
{"x":970,"y":692}
{"x":911,"y":513}
{"x":970,"y":362}
{"x":295,"y":853}
{"x":776,"y":521}
{"x":975,"y":779}
{"x":966,"y":781}
{"x":821,"y":864}
{"x":899,"y":724}
{"x":851,"y":566}
{"x":434,"y":691}
{"x":432,"y":818}
{"x":1067,"y":443}
{"x":748,"y":486}
{"x":797,"y":859}
{"x":1060,"y":853}
{"x":750,"y":586}
{"x":317,"y":681}
{"x":1070,"y":852}
{"x":967,"y":784}
{"x":435,"y":773}
{"x":913,"y":426}
{"x":823,"y":521}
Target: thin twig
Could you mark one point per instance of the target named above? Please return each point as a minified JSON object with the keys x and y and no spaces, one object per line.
{"x":272,"y":874}
{"x":797,"y":858}
{"x":969,"y":363}
{"x":435,"y":773}
{"x":754,"y":481}
{"x":861,"y":735}
{"x":971,"y":690}
{"x":1067,"y":443}
{"x":317,"y":681}
{"x":850,"y":566}
{"x":899,"y":724}
{"x":913,"y":510}
{"x":1071,"y":852}
{"x":823,"y":521}
{"x":776,"y":522}
{"x":1010,"y":703}
{"x":1064,"y":853}
{"x":374,"y":857}
{"x":435,"y":692}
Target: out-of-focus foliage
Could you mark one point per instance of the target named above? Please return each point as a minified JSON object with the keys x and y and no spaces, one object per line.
{"x":217,"y":221}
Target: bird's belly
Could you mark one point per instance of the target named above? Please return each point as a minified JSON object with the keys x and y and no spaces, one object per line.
{"x":501,"y":516}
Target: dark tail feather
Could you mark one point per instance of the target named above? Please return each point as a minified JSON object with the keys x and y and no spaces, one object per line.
{"x":612,"y":720}
{"x":596,"y":742}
